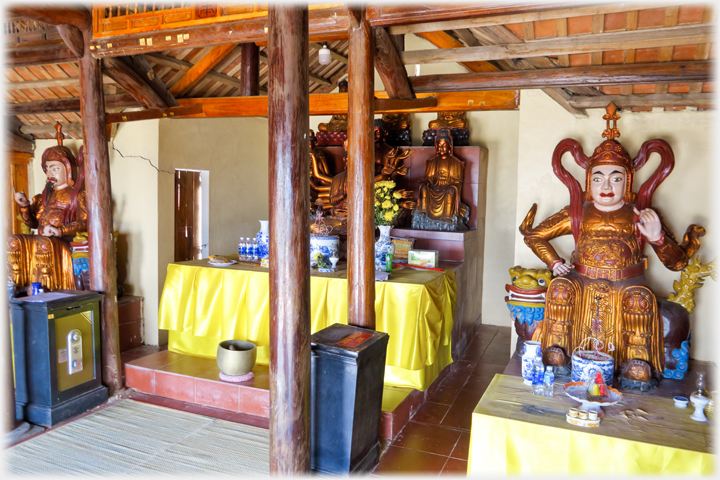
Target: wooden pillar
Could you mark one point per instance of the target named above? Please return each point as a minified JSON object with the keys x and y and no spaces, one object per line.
{"x":249,"y":70}
{"x":361,"y":171}
{"x":289,"y":158}
{"x":103,"y":276}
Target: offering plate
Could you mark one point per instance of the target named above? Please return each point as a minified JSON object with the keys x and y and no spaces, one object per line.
{"x":578,"y":392}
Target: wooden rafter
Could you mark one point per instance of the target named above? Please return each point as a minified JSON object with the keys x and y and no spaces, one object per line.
{"x":669,"y":72}
{"x":142,"y":67}
{"x":77,"y":16}
{"x":388,"y":65}
{"x":56,"y":52}
{"x":521,"y":17}
{"x":133,"y":83}
{"x":684,"y":35}
{"x":50,"y":83}
{"x":315,"y":78}
{"x":201,"y":68}
{"x":444,"y":41}
{"x":67,"y":105}
{"x":649,"y":100}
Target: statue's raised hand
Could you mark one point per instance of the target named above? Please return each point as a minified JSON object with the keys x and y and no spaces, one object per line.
{"x":50,"y":231}
{"x":561,"y":268}
{"x":21,"y":199}
{"x":649,"y":224}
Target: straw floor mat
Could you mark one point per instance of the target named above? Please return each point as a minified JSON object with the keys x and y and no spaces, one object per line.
{"x":138,"y":439}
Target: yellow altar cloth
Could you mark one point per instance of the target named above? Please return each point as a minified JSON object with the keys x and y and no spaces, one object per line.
{"x":516,"y":432}
{"x":202,"y":305}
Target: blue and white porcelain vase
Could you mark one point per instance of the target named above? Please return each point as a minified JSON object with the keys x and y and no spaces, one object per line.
{"x":531,"y":349}
{"x":263,"y":239}
{"x":383,"y":246}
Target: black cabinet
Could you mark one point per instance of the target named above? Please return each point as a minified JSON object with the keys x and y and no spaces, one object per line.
{"x":347,"y":372}
{"x":56,"y":355}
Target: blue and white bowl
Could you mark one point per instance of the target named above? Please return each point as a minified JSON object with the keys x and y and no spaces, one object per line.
{"x":326,"y":245}
{"x":584,"y":363}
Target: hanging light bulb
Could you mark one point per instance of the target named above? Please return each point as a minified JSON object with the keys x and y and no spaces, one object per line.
{"x":324,"y":54}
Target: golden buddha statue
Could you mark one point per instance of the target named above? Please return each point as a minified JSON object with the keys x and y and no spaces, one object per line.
{"x":338,"y":189}
{"x":320,"y":177}
{"x":397,"y":121}
{"x":58,"y":214}
{"x":448,"y":120}
{"x":338,"y":122}
{"x":602,"y":293}
{"x":441,"y":187}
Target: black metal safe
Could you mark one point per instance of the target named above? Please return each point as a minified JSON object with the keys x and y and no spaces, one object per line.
{"x":347,"y":373}
{"x":56,"y":355}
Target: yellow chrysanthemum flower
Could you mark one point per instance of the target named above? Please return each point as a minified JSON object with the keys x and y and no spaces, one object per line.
{"x":377,"y":204}
{"x":387,"y":197}
{"x":387,"y":204}
{"x":397,"y":194}
{"x":395,"y":208}
{"x":388,"y":216}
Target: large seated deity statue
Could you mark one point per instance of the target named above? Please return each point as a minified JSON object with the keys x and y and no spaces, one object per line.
{"x":602,"y":292}
{"x":440,"y":207}
{"x":58,"y":213}
{"x":320,"y":176}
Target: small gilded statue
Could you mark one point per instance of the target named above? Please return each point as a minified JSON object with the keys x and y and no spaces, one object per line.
{"x":449,"y":120}
{"x":338,"y":122}
{"x":440,"y":207}
{"x":399,"y":127}
{"x":58,"y":213}
{"x":320,"y":175}
{"x":611,"y":225}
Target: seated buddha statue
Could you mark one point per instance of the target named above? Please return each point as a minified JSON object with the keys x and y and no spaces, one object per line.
{"x":441,"y":187}
{"x":320,"y":177}
{"x":338,"y":122}
{"x":601,"y":294}
{"x":397,"y":121}
{"x":338,"y":189}
{"x":58,"y":213}
{"x":448,"y":120}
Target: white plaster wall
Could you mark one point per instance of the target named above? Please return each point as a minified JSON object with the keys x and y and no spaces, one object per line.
{"x":135,"y":214}
{"x":687,"y":195}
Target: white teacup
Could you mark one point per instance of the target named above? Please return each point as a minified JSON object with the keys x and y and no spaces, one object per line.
{"x":680,"y":402}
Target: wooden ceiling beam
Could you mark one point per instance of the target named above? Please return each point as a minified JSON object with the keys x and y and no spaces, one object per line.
{"x":73,"y":38}
{"x":650,"y":38}
{"x":132,"y":82}
{"x":645,"y":73}
{"x":17,"y":143}
{"x":142,"y":67}
{"x":67,"y":129}
{"x":314,"y":78}
{"x":520,"y":17}
{"x":445,"y":41}
{"x":174,"y":112}
{"x":56,"y":52}
{"x":201,"y":68}
{"x":184,"y":66}
{"x":649,"y":100}
{"x":77,"y":16}
{"x":58,"y":105}
{"x":50,"y":83}
{"x":388,"y":65}
{"x":334,"y":103}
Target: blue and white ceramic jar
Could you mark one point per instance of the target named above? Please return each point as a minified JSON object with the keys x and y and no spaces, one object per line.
{"x":531,"y":350}
{"x":383,"y":246}
{"x":327,"y":245}
{"x":585,"y":362}
{"x":263,"y":239}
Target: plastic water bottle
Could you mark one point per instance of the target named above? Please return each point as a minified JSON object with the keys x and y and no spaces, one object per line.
{"x":538,"y":370}
{"x":242,"y":249}
{"x":548,"y":381}
{"x":255,"y":249}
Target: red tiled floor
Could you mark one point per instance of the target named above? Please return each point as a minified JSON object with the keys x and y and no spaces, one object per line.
{"x":428,"y":438}
{"x":398,"y":460}
{"x":140,"y":379}
{"x":444,"y":394}
{"x":216,"y":394}
{"x":462,"y":447}
{"x":454,"y":466}
{"x":431,"y":413}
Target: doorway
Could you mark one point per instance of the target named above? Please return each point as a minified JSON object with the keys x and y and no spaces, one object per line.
{"x":191,"y":214}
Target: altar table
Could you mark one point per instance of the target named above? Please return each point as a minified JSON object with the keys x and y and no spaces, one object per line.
{"x":202,"y":305}
{"x":516,"y":432}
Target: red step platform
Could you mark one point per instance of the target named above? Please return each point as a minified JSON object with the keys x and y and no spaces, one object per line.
{"x":196,"y":380}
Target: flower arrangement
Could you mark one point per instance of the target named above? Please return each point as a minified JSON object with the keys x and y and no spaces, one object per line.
{"x":386,"y":207}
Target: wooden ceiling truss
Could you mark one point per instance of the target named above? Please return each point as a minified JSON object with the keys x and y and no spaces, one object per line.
{"x":641,"y":56}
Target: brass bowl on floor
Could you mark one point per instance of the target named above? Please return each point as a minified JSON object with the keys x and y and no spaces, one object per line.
{"x":238,"y":360}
